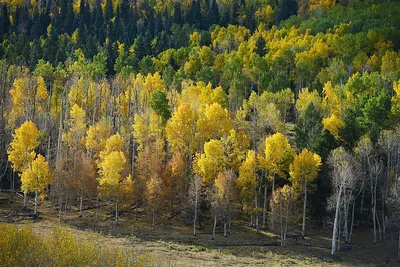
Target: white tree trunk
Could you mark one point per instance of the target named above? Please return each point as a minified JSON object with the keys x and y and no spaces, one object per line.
{"x":215,"y":225}
{"x":265,"y":206}
{"x":195,"y":214}
{"x":335,"y":225}
{"x":225,"y":228}
{"x":303,"y":227}
{"x":24,"y":199}
{"x":352,"y":221}
{"x":256,"y":206}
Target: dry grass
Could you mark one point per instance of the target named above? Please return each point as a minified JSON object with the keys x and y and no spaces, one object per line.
{"x":173,"y":244}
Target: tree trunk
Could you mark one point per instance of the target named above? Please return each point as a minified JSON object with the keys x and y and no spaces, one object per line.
{"x":116,"y":213}
{"x":383,"y":217}
{"x":256,"y":207}
{"x":272,"y":211}
{"x":215,"y":225}
{"x":281,"y":218}
{"x":225,"y":233}
{"x":303,"y":227}
{"x":346,"y":227}
{"x":195,"y":215}
{"x":265,"y":207}
{"x":352,"y":221}
{"x":80,"y":202}
{"x":335,"y":226}
{"x":24,"y":199}
{"x":97,"y":209}
{"x":36,"y":199}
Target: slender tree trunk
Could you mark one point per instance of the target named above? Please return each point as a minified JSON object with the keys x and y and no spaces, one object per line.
{"x":80,"y":202}
{"x":286,"y":224}
{"x":383,"y":217}
{"x":379,"y":226}
{"x":225,"y":228}
{"x":303,"y":228}
{"x":272,"y":211}
{"x":24,"y":199}
{"x":335,"y":226}
{"x":265,"y":207}
{"x":116,"y":213}
{"x":346,"y":227}
{"x":36,"y":199}
{"x":215,"y":225}
{"x":352,"y":221}
{"x":281,"y":218}
{"x":195,"y":214}
{"x":256,"y":207}
{"x":97,"y":209}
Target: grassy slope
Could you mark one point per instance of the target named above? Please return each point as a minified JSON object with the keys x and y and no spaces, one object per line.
{"x":173,"y":244}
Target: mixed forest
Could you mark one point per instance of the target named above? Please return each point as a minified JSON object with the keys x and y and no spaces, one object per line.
{"x":282,"y":113}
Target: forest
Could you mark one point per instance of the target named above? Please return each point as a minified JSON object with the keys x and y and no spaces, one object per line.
{"x":281,"y":114}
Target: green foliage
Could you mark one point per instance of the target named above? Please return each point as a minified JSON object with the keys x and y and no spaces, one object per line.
{"x":159,"y":103}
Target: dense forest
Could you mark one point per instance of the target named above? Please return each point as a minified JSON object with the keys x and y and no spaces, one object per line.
{"x":284,"y":113}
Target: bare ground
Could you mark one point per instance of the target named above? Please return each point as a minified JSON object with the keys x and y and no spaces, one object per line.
{"x":172,"y":244}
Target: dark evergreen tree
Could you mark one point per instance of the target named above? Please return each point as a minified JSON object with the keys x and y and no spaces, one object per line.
{"x":35,"y":53}
{"x":99,"y":22}
{"x":261,"y":48}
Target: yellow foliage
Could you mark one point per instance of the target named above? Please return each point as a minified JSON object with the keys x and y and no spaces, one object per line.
{"x":21,"y":151}
{"x":114,"y":143}
{"x":333,"y":124}
{"x":306,"y":98}
{"x":213,"y":123}
{"x":36,"y":176}
{"x":211,"y":162}
{"x":96,"y":137}
{"x":77,"y":128}
{"x":278,"y":154}
{"x":181,"y":128}
{"x":304,"y":169}
{"x":21,"y":246}
{"x":247,"y":180}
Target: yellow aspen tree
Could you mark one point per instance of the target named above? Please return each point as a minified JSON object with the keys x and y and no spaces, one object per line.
{"x":212,"y":161}
{"x":214,"y":123}
{"x":35,"y":178}
{"x":247,"y":184}
{"x":278,"y":154}
{"x":21,"y":151}
{"x":96,"y":137}
{"x":303,"y":172}
{"x":112,"y":183}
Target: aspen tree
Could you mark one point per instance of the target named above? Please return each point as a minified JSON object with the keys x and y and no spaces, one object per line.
{"x":303,"y":172}
{"x":35,"y":178}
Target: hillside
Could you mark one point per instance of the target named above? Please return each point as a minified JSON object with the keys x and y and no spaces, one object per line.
{"x":243,"y":119}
